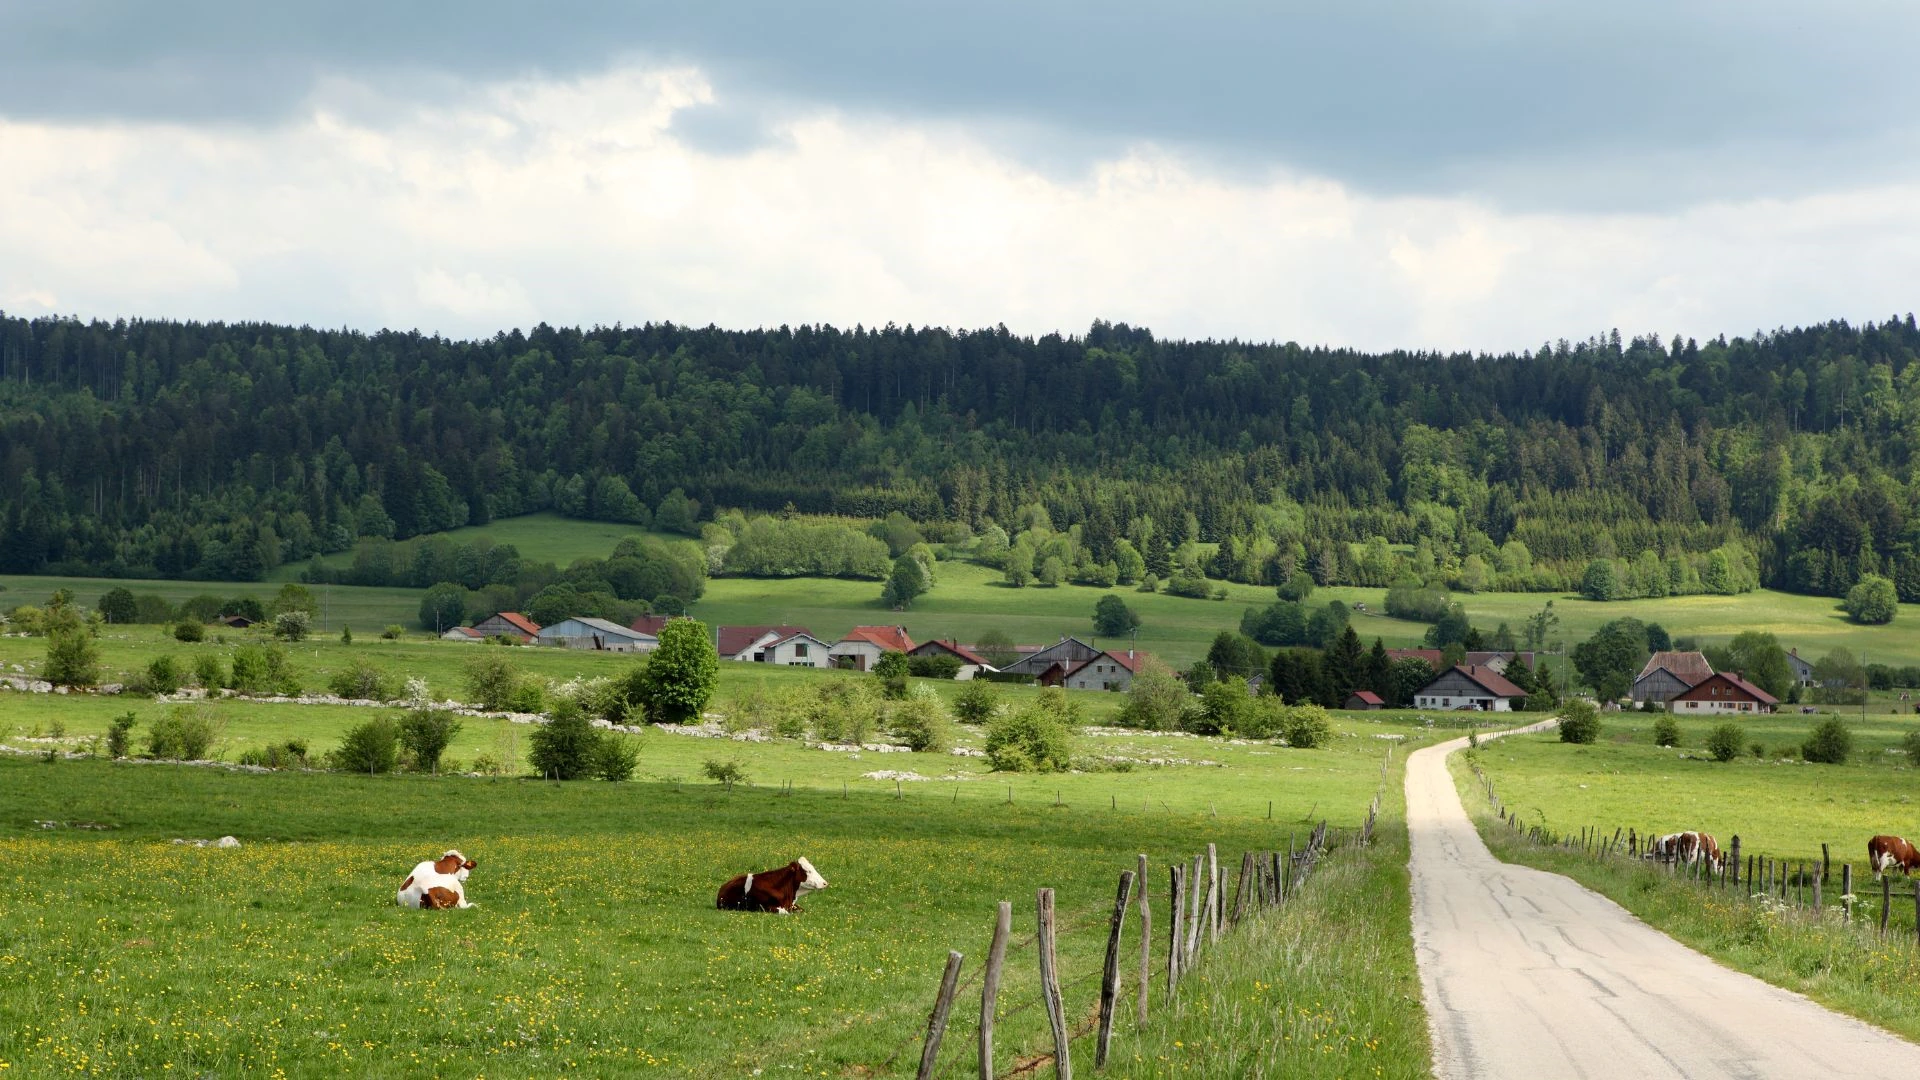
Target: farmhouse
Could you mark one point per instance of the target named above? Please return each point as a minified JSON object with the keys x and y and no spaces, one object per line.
{"x":651,"y":624}
{"x":748,"y":644}
{"x":1364,"y":699}
{"x":236,"y":622}
{"x":582,"y":632}
{"x":508,"y":624}
{"x":1670,"y":673}
{"x":1063,"y":655}
{"x":1802,"y":671}
{"x":1436,"y":658}
{"x":971,"y":663}
{"x":1723,"y":692}
{"x":1105,"y":671}
{"x":863,"y":646}
{"x":799,"y":649}
{"x":463,"y":633}
{"x":1470,"y":686}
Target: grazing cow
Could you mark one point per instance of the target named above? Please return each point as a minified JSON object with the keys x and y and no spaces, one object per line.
{"x":1686,"y":847}
{"x":437,"y":884}
{"x":1886,"y":853}
{"x":771,"y":890}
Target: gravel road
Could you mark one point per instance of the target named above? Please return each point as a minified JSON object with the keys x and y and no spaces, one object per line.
{"x":1529,"y":976}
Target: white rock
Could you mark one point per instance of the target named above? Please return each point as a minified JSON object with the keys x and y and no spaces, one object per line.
{"x":227,"y":841}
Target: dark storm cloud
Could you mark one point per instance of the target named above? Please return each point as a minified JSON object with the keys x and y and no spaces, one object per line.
{"x":1542,"y":103}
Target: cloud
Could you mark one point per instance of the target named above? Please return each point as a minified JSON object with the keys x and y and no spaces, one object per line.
{"x":1637,"y":104}
{"x":585,"y":200}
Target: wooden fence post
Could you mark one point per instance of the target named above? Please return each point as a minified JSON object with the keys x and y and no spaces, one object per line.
{"x":1242,"y":887}
{"x":1146,"y":941}
{"x":1176,"y":903}
{"x":1916,"y":913}
{"x":937,"y":1023}
{"x":1277,"y":892}
{"x":1215,"y":900}
{"x":1050,"y":986}
{"x":1846,"y":891}
{"x":1819,"y":885}
{"x":1734,"y":858}
{"x":1823,"y":864}
{"x":990,"y":986}
{"x":1110,"y":976}
{"x":1886,"y":901}
{"x":1196,"y":895}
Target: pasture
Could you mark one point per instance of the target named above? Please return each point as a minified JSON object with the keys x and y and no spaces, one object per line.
{"x":596,"y":948}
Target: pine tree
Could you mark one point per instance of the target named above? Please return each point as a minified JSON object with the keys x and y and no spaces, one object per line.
{"x":1346,"y":665}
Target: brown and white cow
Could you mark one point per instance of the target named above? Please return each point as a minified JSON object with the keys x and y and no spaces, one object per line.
{"x":1686,"y":847}
{"x":771,"y":890}
{"x":437,"y":883}
{"x":1886,"y":853}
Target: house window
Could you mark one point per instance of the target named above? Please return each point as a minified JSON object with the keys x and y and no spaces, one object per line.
{"x":800,"y":649}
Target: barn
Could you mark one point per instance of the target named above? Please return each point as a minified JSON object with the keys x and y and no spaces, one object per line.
{"x":582,"y":632}
{"x":1470,"y":686}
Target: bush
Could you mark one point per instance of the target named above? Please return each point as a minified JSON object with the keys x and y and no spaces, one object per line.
{"x":292,"y":625}
{"x":1038,"y":738}
{"x":615,"y":758}
{"x":183,"y":734}
{"x":291,"y":754}
{"x":492,"y":681}
{"x":975,"y":702}
{"x":117,"y":731}
{"x":1223,"y":706}
{"x":1758,"y":750}
{"x":843,"y":711}
{"x":189,"y":631}
{"x":163,"y":675}
{"x":72,"y":659}
{"x":1872,"y":602}
{"x":207,"y":672}
{"x":1306,"y":727}
{"x":372,"y":747}
{"x":1579,"y":722}
{"x":263,"y":669}
{"x":939,"y":666}
{"x":681,"y":673}
{"x":426,"y":734}
{"x":724,"y":772}
{"x":1830,"y":743}
{"x":1113,"y":618}
{"x":362,"y":681}
{"x":892,"y":665}
{"x":563,"y":748}
{"x":393,"y":632}
{"x":1666,"y":731}
{"x":1911,"y":744}
{"x":1723,"y":742}
{"x":921,"y":722}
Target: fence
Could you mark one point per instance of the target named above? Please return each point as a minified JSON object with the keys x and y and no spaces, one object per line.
{"x":1799,"y":885}
{"x":1199,"y":914}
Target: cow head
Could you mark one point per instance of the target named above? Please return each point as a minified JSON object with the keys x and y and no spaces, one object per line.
{"x":813,"y":882}
{"x":453,"y":863}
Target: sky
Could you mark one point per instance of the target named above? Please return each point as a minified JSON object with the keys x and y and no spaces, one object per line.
{"x":1429,"y":174}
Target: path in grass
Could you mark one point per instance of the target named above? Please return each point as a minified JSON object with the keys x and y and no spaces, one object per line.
{"x":1527,"y":974}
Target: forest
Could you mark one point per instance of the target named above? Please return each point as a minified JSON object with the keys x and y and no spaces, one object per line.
{"x":1616,"y":467}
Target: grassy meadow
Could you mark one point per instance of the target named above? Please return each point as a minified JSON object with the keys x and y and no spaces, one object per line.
{"x":970,"y":600}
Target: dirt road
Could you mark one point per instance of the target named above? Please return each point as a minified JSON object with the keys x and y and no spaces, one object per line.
{"x":1529,"y":976}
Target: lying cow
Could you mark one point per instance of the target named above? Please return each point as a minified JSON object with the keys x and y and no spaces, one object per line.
{"x":1686,"y":847}
{"x":771,"y":890}
{"x":1886,"y":853}
{"x":437,"y":884}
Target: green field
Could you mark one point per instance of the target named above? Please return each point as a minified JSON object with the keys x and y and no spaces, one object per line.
{"x":596,"y":948}
{"x":970,"y":600}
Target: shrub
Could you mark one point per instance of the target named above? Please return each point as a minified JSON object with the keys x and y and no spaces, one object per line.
{"x":1038,"y":738}
{"x":1579,"y":722}
{"x":940,"y":666}
{"x":615,"y":758}
{"x":892,"y":665}
{"x":346,"y":635}
{"x":163,"y":675}
{"x":1830,"y":742}
{"x":1156,"y":699}
{"x":1307,"y":727}
{"x":492,"y":681}
{"x":1113,"y":618}
{"x":921,"y":722}
{"x":1758,"y":750}
{"x":563,"y":747}
{"x":117,"y":731}
{"x":975,"y":702}
{"x":72,"y":659}
{"x":426,"y":734}
{"x":292,"y":625}
{"x":291,"y":754}
{"x":263,"y":669}
{"x":1911,"y":744}
{"x":487,"y":765}
{"x":1872,"y":602}
{"x":843,"y":711}
{"x":1224,"y":705}
{"x":681,"y":673}
{"x":183,"y":734}
{"x":207,"y":672}
{"x":1723,"y":742}
{"x":724,"y":772}
{"x":362,"y":681}
{"x":1666,"y":731}
{"x":372,"y":747}
{"x":393,"y":632}
{"x":189,"y":631}
{"x":894,"y":687}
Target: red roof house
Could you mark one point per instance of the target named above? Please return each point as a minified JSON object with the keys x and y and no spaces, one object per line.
{"x":1723,"y":692}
